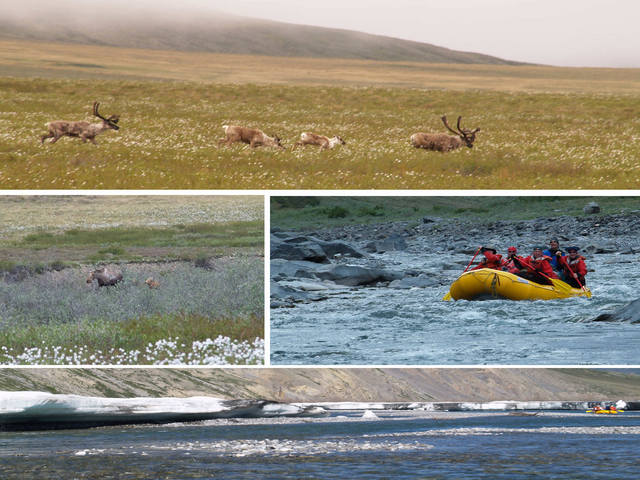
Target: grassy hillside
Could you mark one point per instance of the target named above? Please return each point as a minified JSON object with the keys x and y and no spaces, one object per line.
{"x":317,"y":385}
{"x":42,"y":230}
{"x":305,"y":213}
{"x":219,"y":33}
{"x":28,"y":59}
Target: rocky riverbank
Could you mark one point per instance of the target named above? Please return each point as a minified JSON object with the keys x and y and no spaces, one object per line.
{"x":312,"y":266}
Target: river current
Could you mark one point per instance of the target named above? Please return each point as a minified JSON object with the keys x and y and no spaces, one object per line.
{"x":403,"y":445}
{"x":386,"y":326}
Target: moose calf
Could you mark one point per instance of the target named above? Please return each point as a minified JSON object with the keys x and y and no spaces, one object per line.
{"x":106,"y":277}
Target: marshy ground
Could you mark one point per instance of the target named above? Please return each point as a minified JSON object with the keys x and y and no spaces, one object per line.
{"x":206,"y":253}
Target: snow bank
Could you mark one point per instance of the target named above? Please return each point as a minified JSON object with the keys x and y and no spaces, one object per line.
{"x":46,"y":410}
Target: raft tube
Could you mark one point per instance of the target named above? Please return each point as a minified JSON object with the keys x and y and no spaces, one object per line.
{"x":487,"y":283}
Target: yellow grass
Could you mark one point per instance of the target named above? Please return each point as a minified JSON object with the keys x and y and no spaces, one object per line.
{"x":20,"y":58}
{"x":542,"y":127}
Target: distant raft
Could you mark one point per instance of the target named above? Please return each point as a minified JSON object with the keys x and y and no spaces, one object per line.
{"x":486,"y":283}
{"x":605,"y":412}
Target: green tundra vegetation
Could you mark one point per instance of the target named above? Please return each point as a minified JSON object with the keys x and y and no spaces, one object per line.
{"x":309,"y":213}
{"x":541,"y":127}
{"x":205,"y":252}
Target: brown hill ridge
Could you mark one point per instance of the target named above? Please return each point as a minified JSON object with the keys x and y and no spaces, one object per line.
{"x":334,"y":384}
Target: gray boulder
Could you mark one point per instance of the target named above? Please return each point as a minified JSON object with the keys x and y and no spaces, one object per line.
{"x":394,"y":242}
{"x":283,"y":295}
{"x":352,"y":275}
{"x":335,"y":247}
{"x":591,"y":207}
{"x":388,"y":244}
{"x":421,"y":281}
{"x":281,"y":268}
{"x":306,"y":247}
{"x":308,"y":251}
{"x":629,"y":313}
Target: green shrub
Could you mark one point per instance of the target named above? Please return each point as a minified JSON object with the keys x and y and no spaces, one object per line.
{"x":336,"y":212}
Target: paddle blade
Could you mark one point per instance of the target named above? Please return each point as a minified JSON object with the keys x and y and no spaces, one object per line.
{"x":560,"y":285}
{"x":447,"y":297}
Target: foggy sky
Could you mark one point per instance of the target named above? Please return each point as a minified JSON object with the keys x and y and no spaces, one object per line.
{"x":555,"y":32}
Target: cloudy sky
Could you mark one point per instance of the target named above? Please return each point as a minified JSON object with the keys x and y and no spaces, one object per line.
{"x":555,"y":32}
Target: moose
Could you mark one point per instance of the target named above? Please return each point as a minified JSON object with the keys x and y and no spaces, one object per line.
{"x":83,"y":129}
{"x":252,"y":136}
{"x":105,"y":276}
{"x":441,"y":142}
{"x":308,"y":138}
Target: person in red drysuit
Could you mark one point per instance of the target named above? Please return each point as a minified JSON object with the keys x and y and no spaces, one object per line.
{"x":539,"y":267}
{"x":491,"y":259}
{"x":510,"y":264}
{"x":574,"y":268}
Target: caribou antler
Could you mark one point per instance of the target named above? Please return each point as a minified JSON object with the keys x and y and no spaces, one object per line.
{"x":444,"y":120}
{"x":95,"y":111}
{"x":112,"y":120}
{"x":464,"y":131}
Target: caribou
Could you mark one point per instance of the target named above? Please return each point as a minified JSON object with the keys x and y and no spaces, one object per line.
{"x":105,"y":276}
{"x":308,"y":138}
{"x":83,"y":129}
{"x":252,"y":136}
{"x":152,"y":282}
{"x":442,"y":142}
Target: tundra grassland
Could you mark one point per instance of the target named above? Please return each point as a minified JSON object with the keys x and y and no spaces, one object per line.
{"x":207,"y":309}
{"x":541,"y":127}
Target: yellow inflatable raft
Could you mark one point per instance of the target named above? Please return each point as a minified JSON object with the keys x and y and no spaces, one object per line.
{"x":487,"y":283}
{"x":605,"y":412}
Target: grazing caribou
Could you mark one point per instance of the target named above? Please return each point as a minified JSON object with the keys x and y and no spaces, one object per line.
{"x":84,"y":130}
{"x":105,"y":277}
{"x":442,"y":142}
{"x":252,"y":136}
{"x":152,"y":283}
{"x":308,"y":138}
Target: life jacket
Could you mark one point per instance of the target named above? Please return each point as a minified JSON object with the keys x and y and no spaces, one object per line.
{"x":542,"y":265}
{"x":511,"y":266}
{"x":576,"y":265}
{"x":490,"y":261}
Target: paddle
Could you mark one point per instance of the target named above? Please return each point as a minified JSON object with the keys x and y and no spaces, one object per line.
{"x":447,"y":296}
{"x":472,"y":259}
{"x":564,"y":261}
{"x":556,"y":282}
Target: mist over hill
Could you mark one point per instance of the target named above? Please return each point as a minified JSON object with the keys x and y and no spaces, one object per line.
{"x":204,"y":30}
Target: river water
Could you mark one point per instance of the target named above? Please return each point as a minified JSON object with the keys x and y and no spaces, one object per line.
{"x":385,"y":326}
{"x":403,"y":445}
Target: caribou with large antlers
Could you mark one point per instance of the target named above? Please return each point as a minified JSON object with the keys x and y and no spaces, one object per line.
{"x":442,"y":142}
{"x":84,"y":130}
